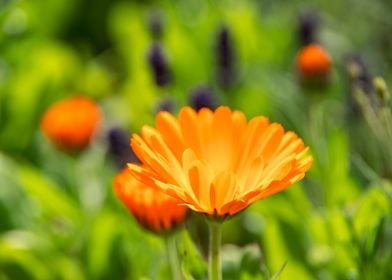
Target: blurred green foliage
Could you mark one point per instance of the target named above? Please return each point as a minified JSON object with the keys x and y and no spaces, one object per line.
{"x":59,"y":218}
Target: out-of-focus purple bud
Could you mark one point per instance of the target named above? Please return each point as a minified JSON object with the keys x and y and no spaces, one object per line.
{"x":225,"y":58}
{"x":119,"y":148}
{"x":159,"y":65}
{"x":156,"y":24}
{"x":359,"y":73}
{"x":165,"y":104}
{"x":202,"y":96}
{"x":360,"y":79}
{"x":308,"y":23}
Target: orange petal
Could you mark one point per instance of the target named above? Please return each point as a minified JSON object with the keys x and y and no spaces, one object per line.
{"x":170,"y":130}
{"x":224,"y":186}
{"x":190,"y":130}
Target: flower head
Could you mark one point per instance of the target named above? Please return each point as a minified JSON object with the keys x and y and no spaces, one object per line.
{"x":152,"y":208}
{"x":308,"y":27}
{"x":165,"y":104}
{"x":156,"y":23}
{"x":225,"y":56}
{"x":159,"y":65}
{"x":71,"y":123}
{"x":359,"y":73}
{"x":313,"y":64}
{"x":118,"y":147}
{"x":216,"y":162}
{"x":201,"y":97}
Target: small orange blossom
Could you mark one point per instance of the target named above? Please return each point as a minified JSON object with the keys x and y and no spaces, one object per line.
{"x":313,"y":61}
{"x":217,"y":163}
{"x":152,"y":208}
{"x":71,"y":123}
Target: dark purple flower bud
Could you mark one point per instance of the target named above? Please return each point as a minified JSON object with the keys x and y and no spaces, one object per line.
{"x":119,"y":148}
{"x":159,"y":65}
{"x":156,"y":24}
{"x":360,"y":79}
{"x":225,"y":58}
{"x":359,"y":73}
{"x":308,"y":27}
{"x":166,"y":104}
{"x":202,"y":96}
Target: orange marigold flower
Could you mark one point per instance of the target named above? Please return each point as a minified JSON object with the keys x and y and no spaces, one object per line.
{"x":71,"y":123}
{"x":217,"y":163}
{"x":313,"y":62}
{"x":152,"y":208}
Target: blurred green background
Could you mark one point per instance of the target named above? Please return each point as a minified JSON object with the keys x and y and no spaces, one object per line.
{"x":59,"y":217}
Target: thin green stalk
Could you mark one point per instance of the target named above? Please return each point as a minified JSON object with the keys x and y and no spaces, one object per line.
{"x":171,"y":250}
{"x":214,"y":269}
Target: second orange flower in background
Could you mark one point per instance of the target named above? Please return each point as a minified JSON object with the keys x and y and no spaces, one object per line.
{"x":153,"y":209}
{"x":71,"y":123}
{"x":314,"y":65}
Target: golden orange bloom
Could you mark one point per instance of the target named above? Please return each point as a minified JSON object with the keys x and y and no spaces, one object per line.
{"x":152,"y":208}
{"x":71,"y":123}
{"x":217,"y":163}
{"x":313,"y":61}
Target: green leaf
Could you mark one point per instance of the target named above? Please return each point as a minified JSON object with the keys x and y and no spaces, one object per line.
{"x":373,"y":206}
{"x":276,"y":244}
{"x":104,"y":231}
{"x":24,"y":260}
{"x":50,"y":198}
{"x":279,"y":272}
{"x":194,"y":266}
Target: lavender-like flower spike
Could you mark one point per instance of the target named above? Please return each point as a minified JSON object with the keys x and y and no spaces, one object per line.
{"x":159,"y":65}
{"x":201,"y":97}
{"x":156,"y":24}
{"x":360,"y":79}
{"x":119,"y":149}
{"x":225,"y":58}
{"x":359,"y":73}
{"x":165,"y":104}
{"x":307,"y":28}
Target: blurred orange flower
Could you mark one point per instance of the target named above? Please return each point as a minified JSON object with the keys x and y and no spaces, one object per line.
{"x":71,"y":123}
{"x":217,"y":163}
{"x":152,"y":208}
{"x":313,"y":62}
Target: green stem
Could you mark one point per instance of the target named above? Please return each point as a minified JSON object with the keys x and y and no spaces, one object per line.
{"x":171,"y":250}
{"x":214,"y":269}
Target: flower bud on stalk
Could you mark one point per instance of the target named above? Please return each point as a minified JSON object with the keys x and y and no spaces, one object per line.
{"x":118,"y":147}
{"x":384,"y":111}
{"x":156,"y":24}
{"x":166,"y":104}
{"x":152,"y":208}
{"x":379,"y":119}
{"x":70,"y":124}
{"x":313,"y":65}
{"x":202,"y":97}
{"x":159,"y":66}
{"x":382,"y":91}
{"x":359,"y":73}
{"x":225,"y":59}
{"x":359,"y":78}
{"x":308,"y":24}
